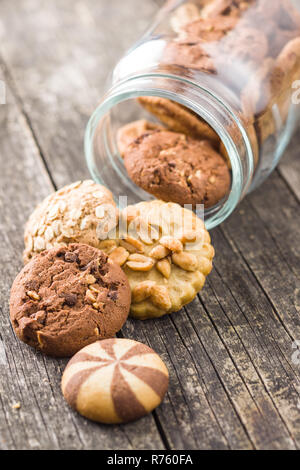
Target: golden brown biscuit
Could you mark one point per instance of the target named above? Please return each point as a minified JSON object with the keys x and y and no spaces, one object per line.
{"x":184,"y":15}
{"x":70,"y":215}
{"x":115,"y":381}
{"x":178,"y":118}
{"x":234,"y":8}
{"x":211,"y":29}
{"x":191,"y":55}
{"x":166,"y":253}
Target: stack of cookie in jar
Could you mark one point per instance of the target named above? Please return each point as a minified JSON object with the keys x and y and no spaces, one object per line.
{"x":248,"y":49}
{"x":87,"y":265}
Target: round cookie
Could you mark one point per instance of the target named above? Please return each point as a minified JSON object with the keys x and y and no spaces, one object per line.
{"x":115,"y":381}
{"x":178,"y":118}
{"x":210,"y":29}
{"x":70,"y":215}
{"x":132,"y":131}
{"x":197,"y":55}
{"x":166,"y":254}
{"x":234,"y":8}
{"x":68,"y":297}
{"x":244,"y":44}
{"x":184,"y":15}
{"x":177,"y":168}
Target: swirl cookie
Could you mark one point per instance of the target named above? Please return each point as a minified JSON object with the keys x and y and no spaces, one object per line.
{"x":70,"y":215}
{"x":68,"y":297}
{"x":178,"y":118}
{"x":166,"y":254}
{"x":115,"y":381}
{"x":177,"y":168}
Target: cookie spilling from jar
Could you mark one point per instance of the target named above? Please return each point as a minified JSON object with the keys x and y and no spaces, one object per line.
{"x":174,"y":167}
{"x":183,"y":162}
{"x":251,"y":50}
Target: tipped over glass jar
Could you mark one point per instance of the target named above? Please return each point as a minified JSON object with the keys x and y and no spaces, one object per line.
{"x":201,"y":109}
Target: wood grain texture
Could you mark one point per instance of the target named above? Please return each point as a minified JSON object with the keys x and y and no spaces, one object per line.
{"x":233,"y":383}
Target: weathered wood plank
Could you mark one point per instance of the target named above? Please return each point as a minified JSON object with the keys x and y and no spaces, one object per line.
{"x":209,"y":433}
{"x":233,"y":383}
{"x":44,"y":420}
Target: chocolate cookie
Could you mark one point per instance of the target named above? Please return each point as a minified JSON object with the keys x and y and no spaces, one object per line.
{"x":115,"y":381}
{"x":132,"y":131}
{"x":68,"y":297}
{"x":177,"y":168}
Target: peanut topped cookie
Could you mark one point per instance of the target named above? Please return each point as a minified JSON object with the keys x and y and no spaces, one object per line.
{"x":70,"y":215}
{"x":68,"y":297}
{"x":177,"y":168}
{"x":165,"y":252}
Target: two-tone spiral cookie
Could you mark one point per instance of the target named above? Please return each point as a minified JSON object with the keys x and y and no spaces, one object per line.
{"x":115,"y":381}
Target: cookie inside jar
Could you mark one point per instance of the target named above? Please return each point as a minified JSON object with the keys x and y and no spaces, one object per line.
{"x":200,"y":111}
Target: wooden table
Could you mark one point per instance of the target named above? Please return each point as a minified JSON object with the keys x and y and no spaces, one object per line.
{"x":234,"y":375}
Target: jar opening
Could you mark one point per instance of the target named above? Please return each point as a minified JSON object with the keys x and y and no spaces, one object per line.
{"x":120,"y":107}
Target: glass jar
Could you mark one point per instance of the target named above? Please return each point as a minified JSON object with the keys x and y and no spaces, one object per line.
{"x":230,"y":64}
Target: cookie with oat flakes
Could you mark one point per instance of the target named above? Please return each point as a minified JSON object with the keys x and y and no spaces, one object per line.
{"x":71,"y":215}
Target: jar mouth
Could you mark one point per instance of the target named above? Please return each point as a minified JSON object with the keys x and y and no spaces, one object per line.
{"x":199,"y":99}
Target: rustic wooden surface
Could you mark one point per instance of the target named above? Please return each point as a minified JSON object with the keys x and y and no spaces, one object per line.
{"x":234,"y":377}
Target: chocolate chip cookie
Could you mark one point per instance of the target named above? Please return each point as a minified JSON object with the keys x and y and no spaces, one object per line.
{"x":177,"y":168}
{"x":68,"y":297}
{"x":132,"y":131}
